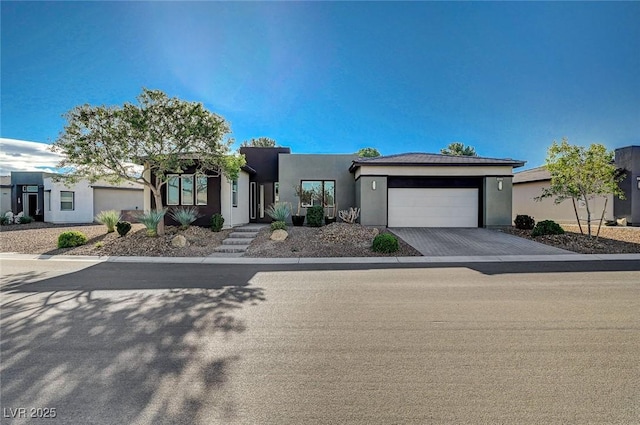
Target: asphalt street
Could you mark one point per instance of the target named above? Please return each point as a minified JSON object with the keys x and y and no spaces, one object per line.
{"x":503,"y":343}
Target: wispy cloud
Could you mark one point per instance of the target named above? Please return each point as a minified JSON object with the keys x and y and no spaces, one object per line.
{"x":22,"y":155}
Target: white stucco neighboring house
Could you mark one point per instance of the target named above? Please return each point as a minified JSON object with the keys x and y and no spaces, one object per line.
{"x":81,"y":202}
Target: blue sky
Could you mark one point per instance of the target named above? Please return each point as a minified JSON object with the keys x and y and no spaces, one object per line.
{"x":506,"y":78}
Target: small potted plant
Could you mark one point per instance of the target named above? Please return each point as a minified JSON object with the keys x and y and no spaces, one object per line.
{"x":304,"y":197}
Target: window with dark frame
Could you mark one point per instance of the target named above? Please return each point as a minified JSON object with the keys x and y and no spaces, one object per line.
{"x":323,"y":192}
{"x":186,"y":189}
{"x":234,"y":193}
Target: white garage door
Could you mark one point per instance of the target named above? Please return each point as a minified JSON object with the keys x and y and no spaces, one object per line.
{"x":433,"y":207}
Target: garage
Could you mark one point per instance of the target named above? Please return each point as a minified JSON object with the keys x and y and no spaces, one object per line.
{"x":433,"y":190}
{"x":443,"y":207}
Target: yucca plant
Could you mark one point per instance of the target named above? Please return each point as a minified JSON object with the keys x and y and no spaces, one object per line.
{"x":150,"y":219}
{"x":109,"y":218}
{"x":185,"y":216}
{"x":279,"y":211}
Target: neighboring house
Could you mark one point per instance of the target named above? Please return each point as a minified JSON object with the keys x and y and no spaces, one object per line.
{"x":27,"y":193}
{"x":528,"y":185}
{"x":5,"y":194}
{"x":82,"y":201}
{"x":406,"y":190}
{"x":628,"y":161}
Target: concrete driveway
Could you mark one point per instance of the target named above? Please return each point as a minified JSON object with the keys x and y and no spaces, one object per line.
{"x":438,"y":241}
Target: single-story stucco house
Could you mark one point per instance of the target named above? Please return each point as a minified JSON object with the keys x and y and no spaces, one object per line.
{"x":405,"y":190}
{"x":36,"y":194}
{"x":529,"y":184}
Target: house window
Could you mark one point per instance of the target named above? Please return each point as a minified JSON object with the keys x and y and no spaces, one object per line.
{"x":187,"y":190}
{"x":181,"y":190}
{"x":234,"y":193}
{"x":318,"y":192}
{"x":201,"y":190}
{"x":173,"y":190}
{"x":66,"y":201}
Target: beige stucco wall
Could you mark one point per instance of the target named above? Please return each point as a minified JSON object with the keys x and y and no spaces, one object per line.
{"x":368,"y":170}
{"x":117,"y":199}
{"x":5,"y":199}
{"x":524,"y":203}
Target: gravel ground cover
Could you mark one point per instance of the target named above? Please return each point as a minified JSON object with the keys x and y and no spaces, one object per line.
{"x":612,"y":240}
{"x":334,"y":240}
{"x":42,"y":238}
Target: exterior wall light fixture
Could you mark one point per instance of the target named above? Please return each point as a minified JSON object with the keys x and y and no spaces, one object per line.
{"x":373,"y":184}
{"x":500,"y":183}
{"x":638,"y":181}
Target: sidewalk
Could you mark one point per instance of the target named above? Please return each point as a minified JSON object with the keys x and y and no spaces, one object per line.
{"x":327,"y":260}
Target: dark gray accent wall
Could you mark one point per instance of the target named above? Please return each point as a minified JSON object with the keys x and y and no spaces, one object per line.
{"x":373,"y":202}
{"x":497,"y":203}
{"x":26,"y":178}
{"x":293,"y":168}
{"x":628,"y":159}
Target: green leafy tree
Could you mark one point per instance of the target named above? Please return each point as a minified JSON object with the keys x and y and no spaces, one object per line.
{"x":368,"y":153}
{"x":459,"y":149}
{"x":260,"y":142}
{"x":163,"y":134}
{"x":581,"y":174}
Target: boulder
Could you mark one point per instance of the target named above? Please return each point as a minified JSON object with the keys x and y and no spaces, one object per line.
{"x":279,"y":235}
{"x":622,"y":221}
{"x":179,"y":241}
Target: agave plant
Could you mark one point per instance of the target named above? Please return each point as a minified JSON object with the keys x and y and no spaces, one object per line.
{"x":150,"y":219}
{"x":279,"y":211}
{"x":109,"y":218}
{"x":185,"y":216}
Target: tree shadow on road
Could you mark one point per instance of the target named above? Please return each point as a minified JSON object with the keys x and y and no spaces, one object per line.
{"x":150,"y":356}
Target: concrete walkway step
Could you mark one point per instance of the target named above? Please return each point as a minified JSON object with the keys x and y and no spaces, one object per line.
{"x":249,"y":228}
{"x":235,"y":241}
{"x":239,"y":240}
{"x":244,"y":235}
{"x":231,"y":248}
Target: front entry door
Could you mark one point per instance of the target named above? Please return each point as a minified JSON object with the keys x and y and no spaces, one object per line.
{"x":260,"y":197}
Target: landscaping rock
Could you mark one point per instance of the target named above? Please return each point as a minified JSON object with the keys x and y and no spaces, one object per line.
{"x":279,"y":235}
{"x":179,"y":241}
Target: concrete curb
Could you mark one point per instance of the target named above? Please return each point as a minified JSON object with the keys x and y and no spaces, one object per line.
{"x":325,"y":260}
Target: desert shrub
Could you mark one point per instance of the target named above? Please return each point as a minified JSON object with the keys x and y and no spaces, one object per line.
{"x":524,"y":222}
{"x":185,"y":216}
{"x":71,"y":238}
{"x":4,"y":220}
{"x":151,"y":219}
{"x":315,"y":216}
{"x":26,"y":219}
{"x":385,"y":242}
{"x":279,"y":211}
{"x":123,"y":227}
{"x":278,"y":225}
{"x":217,"y":221}
{"x":547,"y":227}
{"x":109,"y":218}
{"x":99,"y":244}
